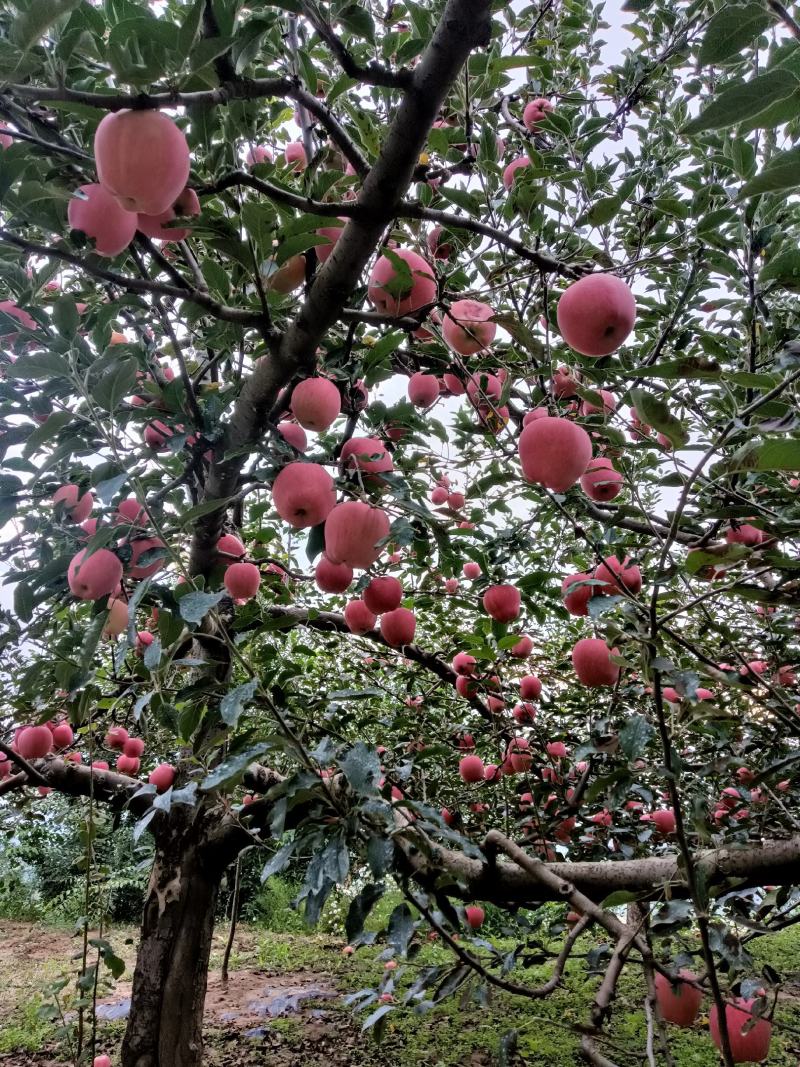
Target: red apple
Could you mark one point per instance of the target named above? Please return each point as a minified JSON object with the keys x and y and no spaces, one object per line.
{"x":530,"y":687}
{"x":601,"y":481}
{"x":471,"y":769}
{"x":242,"y":580}
{"x":383,"y":594}
{"x":596,"y":314}
{"x":304,"y":494}
{"x":554,"y":452}
{"x":91,"y":577}
{"x":142,"y":158}
{"x":34,"y":742}
{"x":467,"y":327}
{"x":618,"y":577}
{"x":423,"y":389}
{"x":398,"y":627}
{"x":333,"y":577}
{"x":352,"y":532}
{"x":591,"y":659}
{"x":162,"y":777}
{"x":358,"y":618}
{"x":502,"y":602}
{"x":749,"y":1035}
{"x":384,"y":282}
{"x":315,"y":403}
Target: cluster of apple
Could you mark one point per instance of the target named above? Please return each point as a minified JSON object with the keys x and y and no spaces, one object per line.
{"x":142,"y":160}
{"x":37,"y":741}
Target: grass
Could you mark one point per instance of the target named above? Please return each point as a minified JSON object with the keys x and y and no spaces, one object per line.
{"x":464,"y":1029}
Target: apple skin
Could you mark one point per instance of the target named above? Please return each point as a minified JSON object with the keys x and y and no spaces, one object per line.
{"x":596,"y":314}
{"x":134,"y":747}
{"x":530,"y":687}
{"x":464,"y":663}
{"x":34,"y":742}
{"x":101,"y":217}
{"x":423,"y":284}
{"x":563,"y":384}
{"x":332,"y":577}
{"x":423,"y":389}
{"x":535,"y":111}
{"x":471,"y":769}
{"x":102,"y":1061}
{"x":242,"y":580}
{"x":601,"y":481}
{"x":352,"y":532}
{"x":142,"y":158}
{"x":369,"y":455}
{"x":678,"y":1004}
{"x":467,"y":327}
{"x":471,"y":570}
{"x":398,"y":627}
{"x":116,"y":738}
{"x":294,"y":435}
{"x":304,"y":494}
{"x":513,"y":168}
{"x":295,"y":156}
{"x":523,"y":648}
{"x":618,"y":577}
{"x":316,"y":403}
{"x":554,"y":452}
{"x":230,"y":546}
{"x":502,"y":602}
{"x":358,"y":618}
{"x":591,"y":658}
{"x":750,"y":1047}
{"x":474,"y":916}
{"x":62,"y":735}
{"x":383,"y":594}
{"x":576,"y":601}
{"x":159,"y":226}
{"x":332,"y":234}
{"x":744,"y":534}
{"x":96,"y":576}
{"x":77,"y":506}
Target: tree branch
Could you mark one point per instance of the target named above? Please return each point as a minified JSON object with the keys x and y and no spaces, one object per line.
{"x":373,"y":74}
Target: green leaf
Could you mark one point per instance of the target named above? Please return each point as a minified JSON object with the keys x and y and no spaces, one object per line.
{"x":152,"y":654}
{"x":39,"y":365}
{"x":66,"y":317}
{"x":50,"y":428}
{"x":115,"y":385}
{"x":745,"y":101}
{"x":362,"y":768}
{"x":206,"y":508}
{"x":194,"y":606}
{"x":782,"y":172}
{"x":279,"y":860}
{"x":700,"y":558}
{"x":635,"y":736}
{"x":232,"y":769}
{"x":23,"y":601}
{"x":783,"y":268}
{"x":360,"y":907}
{"x":656,"y":412}
{"x":232,"y":704}
{"x":190,"y":27}
{"x":732,"y":28}
{"x":32,"y":21}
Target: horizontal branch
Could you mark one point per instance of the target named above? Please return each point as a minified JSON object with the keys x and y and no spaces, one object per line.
{"x":136,"y":285}
{"x":345,"y":209}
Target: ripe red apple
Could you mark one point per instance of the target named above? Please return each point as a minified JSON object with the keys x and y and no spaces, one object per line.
{"x":62,"y":735}
{"x":134,"y":746}
{"x":678,"y":1003}
{"x":98,"y":214}
{"x":464,"y":663}
{"x":242,"y":580}
{"x":162,"y":777}
{"x":564,"y":383}
{"x":316,"y":403}
{"x":474,"y":916}
{"x":523,"y":648}
{"x":535,"y":112}
{"x":358,"y":618}
{"x":140,"y":546}
{"x":304,"y":494}
{"x":34,"y":742}
{"x":618,"y":577}
{"x":130,"y":511}
{"x":596,"y":314}
{"x":100,"y":765}
{"x":128,"y":764}
{"x":159,"y":226}
{"x":116,"y":737}
{"x":530,"y":687}
{"x":77,"y":506}
{"x":609,"y":405}
{"x":440,"y":246}
{"x":295,"y":156}
{"x":453,"y":384}
{"x":576,"y":601}
{"x":524,"y":713}
{"x":383,"y":594}
{"x":744,"y":534}
{"x":142,"y":158}
{"x":398,"y":627}
{"x":102,"y":1061}
{"x":749,"y":1036}
{"x":554,"y":452}
{"x":331,"y":234}
{"x":471,"y":769}
{"x":601,"y":481}
{"x":288,"y":277}
{"x":663,"y":819}
{"x":384,"y":283}
{"x":332,"y":577}
{"x":512,"y":170}
{"x":451,"y":585}
{"x":518,"y":755}
{"x":502,"y":602}
{"x":91,"y":577}
{"x":591,"y":659}
{"x":294,"y":435}
{"x":423,"y":389}
{"x":230,"y":548}
{"x":439,"y":495}
{"x":471,"y":570}
{"x":352,"y":532}
{"x":467,"y":327}
{"x":369,"y":455}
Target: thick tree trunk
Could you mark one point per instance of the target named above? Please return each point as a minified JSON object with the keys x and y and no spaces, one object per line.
{"x":169,"y":984}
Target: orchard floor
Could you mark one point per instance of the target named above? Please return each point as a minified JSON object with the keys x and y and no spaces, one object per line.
{"x":283,"y":1007}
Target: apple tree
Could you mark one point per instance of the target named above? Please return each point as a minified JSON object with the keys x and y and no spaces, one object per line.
{"x":399,"y":443}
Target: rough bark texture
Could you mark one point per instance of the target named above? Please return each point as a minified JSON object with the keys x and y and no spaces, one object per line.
{"x":165,"y":1028}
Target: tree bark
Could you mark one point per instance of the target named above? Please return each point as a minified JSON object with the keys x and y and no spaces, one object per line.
{"x":165,"y":1026}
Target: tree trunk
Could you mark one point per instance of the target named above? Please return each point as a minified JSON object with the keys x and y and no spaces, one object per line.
{"x":165,"y":1027}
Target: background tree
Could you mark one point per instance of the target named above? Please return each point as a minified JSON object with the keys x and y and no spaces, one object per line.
{"x":586,"y":276}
